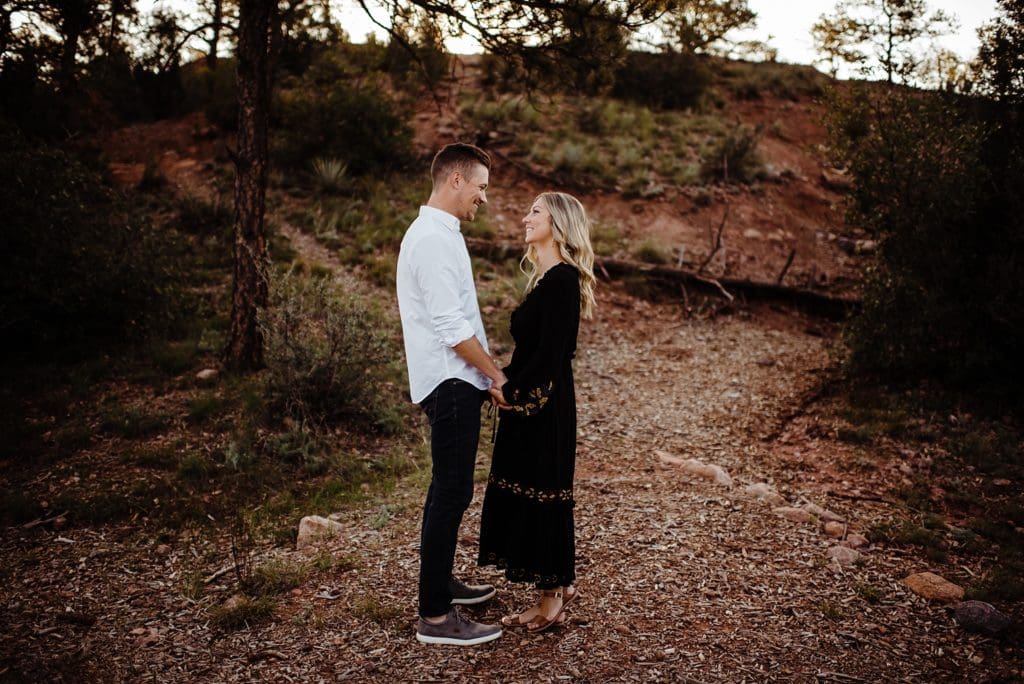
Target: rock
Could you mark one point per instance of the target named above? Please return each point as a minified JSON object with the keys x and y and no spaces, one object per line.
{"x":823,"y":513}
{"x":978,"y":616}
{"x":753,"y":234}
{"x":842,"y":555}
{"x":207,"y":374}
{"x":127,"y":175}
{"x":314,"y":529}
{"x":668,"y":459}
{"x":855,"y":541}
{"x":720,"y":476}
{"x":933,"y":587}
{"x":834,"y":529}
{"x":865,"y":246}
{"x":714,"y":473}
{"x":797,"y":515}
{"x":836,"y":180}
{"x":762,"y":492}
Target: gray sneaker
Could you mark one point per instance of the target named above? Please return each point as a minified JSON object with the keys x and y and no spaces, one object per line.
{"x":469,"y":594}
{"x":456,"y":630}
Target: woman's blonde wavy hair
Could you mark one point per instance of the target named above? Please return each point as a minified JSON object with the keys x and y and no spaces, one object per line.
{"x":570,"y":228}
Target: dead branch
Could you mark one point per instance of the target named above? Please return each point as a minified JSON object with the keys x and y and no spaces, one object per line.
{"x":668,"y":278}
{"x":716,"y":243}
{"x":789,"y":262}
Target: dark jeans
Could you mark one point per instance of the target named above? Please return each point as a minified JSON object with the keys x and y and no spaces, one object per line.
{"x":454,"y":412}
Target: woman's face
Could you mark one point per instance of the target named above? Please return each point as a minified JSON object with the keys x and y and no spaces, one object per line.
{"x":538,"y":224}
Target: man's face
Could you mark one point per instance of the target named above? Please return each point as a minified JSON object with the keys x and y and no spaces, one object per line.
{"x":471,"y":191}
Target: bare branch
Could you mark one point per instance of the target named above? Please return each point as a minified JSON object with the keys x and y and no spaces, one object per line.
{"x":789,"y":262}
{"x":717,"y":244}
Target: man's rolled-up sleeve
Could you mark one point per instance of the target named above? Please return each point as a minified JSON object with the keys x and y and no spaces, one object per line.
{"x":437,"y":273}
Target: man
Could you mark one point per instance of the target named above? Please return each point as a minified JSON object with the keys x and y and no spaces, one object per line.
{"x":450,"y":371}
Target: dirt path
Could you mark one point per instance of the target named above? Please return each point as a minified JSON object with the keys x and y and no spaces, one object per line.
{"x":681,"y":579}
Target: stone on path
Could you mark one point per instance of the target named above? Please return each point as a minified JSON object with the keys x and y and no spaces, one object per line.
{"x":978,"y":616}
{"x":823,"y":513}
{"x":843,"y":556}
{"x":855,"y":541}
{"x":834,"y":529}
{"x":797,"y":515}
{"x":314,"y":529}
{"x":207,"y":374}
{"x":933,"y":587}
{"x":692,"y":466}
{"x":762,"y":492}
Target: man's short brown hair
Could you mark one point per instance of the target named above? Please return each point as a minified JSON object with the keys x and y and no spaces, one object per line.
{"x":459,"y":157}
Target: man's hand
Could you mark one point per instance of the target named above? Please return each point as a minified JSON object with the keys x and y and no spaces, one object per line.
{"x":498,"y":399}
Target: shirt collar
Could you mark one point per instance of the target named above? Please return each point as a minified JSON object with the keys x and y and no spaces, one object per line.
{"x":440,"y":216}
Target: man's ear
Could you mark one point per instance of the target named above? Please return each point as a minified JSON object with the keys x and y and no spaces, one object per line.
{"x":455,"y":179}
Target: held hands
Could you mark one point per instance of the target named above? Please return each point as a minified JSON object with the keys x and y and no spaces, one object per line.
{"x":497,"y":397}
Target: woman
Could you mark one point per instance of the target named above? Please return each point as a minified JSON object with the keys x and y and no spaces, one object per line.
{"x":526,"y":526}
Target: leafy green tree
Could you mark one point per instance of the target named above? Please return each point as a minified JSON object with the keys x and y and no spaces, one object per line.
{"x":881,"y":35}
{"x":702,"y":25}
{"x":1001,"y":55}
{"x":939,"y":179}
{"x":62,"y":33}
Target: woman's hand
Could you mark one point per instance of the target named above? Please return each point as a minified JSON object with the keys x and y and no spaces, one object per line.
{"x":497,"y":398}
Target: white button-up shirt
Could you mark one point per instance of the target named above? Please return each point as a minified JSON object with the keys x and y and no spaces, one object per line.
{"x":438,"y":304}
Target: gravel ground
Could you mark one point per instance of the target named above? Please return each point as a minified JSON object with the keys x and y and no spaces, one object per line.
{"x":681,"y":579}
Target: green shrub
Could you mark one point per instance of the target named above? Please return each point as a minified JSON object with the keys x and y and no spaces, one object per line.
{"x":938,"y":184}
{"x":326,"y":113}
{"x":241,"y":612}
{"x":734,"y":157}
{"x":326,"y":353}
{"x":198,"y":216}
{"x":330,"y":174}
{"x":132,"y":423}
{"x":752,"y":80}
{"x":79,"y":266}
{"x":662,"y":80}
{"x":214,"y":91}
{"x":276,"y":576}
{"x":651,"y":252}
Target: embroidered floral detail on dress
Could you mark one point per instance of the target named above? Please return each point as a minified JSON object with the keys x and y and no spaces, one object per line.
{"x":535,"y":400}
{"x":530,"y":492}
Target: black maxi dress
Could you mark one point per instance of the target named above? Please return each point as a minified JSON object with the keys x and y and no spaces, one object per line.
{"x":526,"y":525}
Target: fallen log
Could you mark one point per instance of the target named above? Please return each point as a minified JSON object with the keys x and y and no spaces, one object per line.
{"x":669,"y":278}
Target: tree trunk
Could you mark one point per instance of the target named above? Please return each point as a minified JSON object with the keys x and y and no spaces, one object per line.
{"x":5,"y":30}
{"x":71,"y":29}
{"x":218,"y":16}
{"x":250,"y":293}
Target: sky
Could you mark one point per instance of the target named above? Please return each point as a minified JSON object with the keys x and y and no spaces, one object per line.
{"x":784,"y":24}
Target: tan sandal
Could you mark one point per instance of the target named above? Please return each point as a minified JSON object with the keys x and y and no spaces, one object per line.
{"x":517,"y":620}
{"x":539,"y":623}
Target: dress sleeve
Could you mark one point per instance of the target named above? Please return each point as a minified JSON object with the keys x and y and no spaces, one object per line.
{"x":534,"y":378}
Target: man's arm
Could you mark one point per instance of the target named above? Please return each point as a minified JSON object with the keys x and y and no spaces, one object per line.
{"x":474,"y":353}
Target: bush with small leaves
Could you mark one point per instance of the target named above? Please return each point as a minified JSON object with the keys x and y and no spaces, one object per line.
{"x":325,"y":113}
{"x":734,"y":157}
{"x":662,"y":80}
{"x":327,"y":354}
{"x":80,"y":267}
